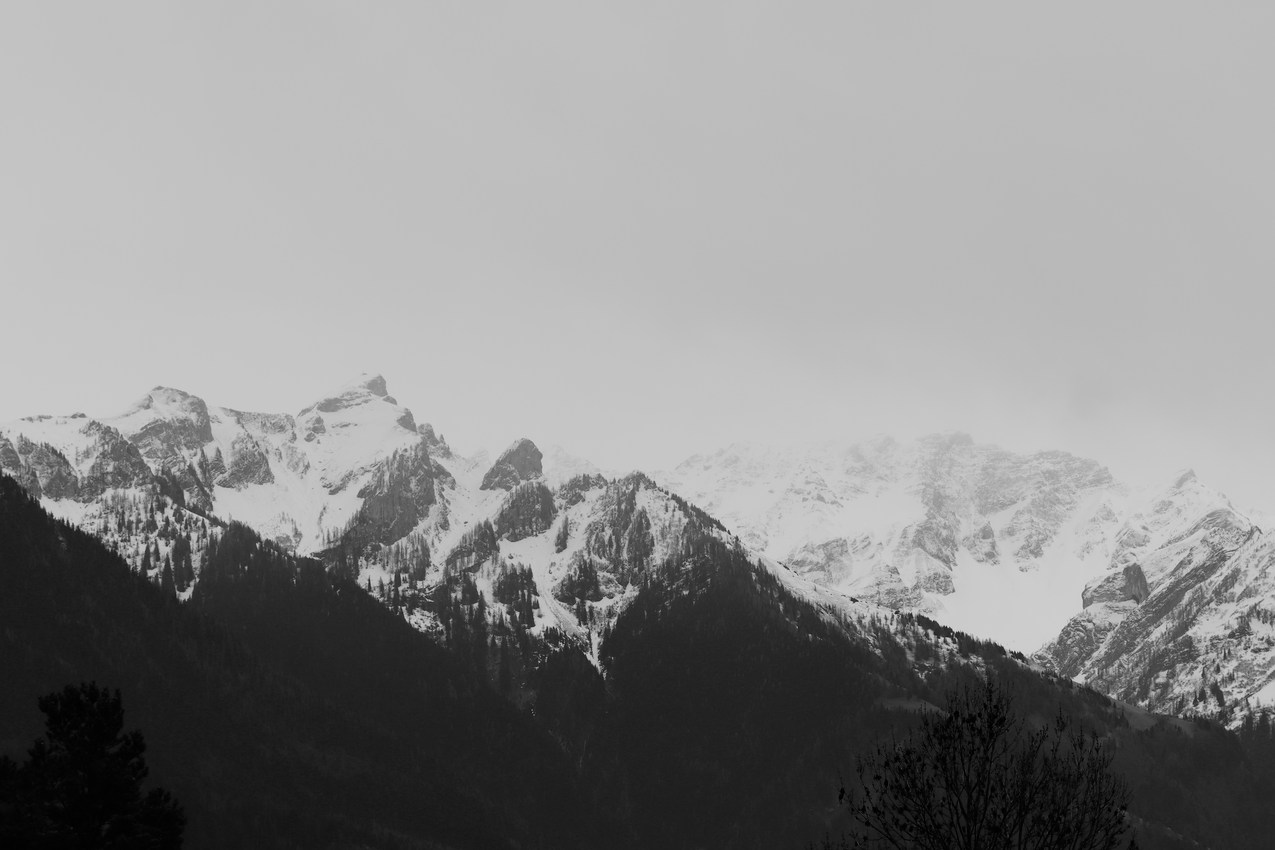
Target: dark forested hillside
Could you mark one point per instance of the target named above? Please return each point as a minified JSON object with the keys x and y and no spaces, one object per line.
{"x":736,"y":708}
{"x":285,"y":708}
{"x":280,"y":709}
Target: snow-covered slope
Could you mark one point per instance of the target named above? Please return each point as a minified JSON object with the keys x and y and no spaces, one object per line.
{"x":995,"y":543}
{"x":298,"y":479}
{"x":1162,"y":597}
{"x":1184,"y":618}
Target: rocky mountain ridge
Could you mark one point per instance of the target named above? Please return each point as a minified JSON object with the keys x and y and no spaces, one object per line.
{"x":1171,"y":583}
{"x":354,"y":479}
{"x":295,"y":478}
{"x":1158,"y":597}
{"x":902,"y":524}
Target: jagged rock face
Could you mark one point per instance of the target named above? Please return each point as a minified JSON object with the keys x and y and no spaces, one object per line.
{"x":1188,"y":601}
{"x":930,"y":575}
{"x":315,"y":427}
{"x":353,"y":395}
{"x":982,"y":545}
{"x":1081,"y":638}
{"x":936,"y":534}
{"x":89,"y":459}
{"x":442,"y":475}
{"x":12,"y":464}
{"x":215,"y":468}
{"x":828,"y":562}
{"x":398,"y":497}
{"x":1139,"y":658}
{"x":292,"y":479}
{"x":936,"y":537}
{"x":49,"y":467}
{"x":528,"y":510}
{"x":518,"y":463}
{"x":248,"y":465}
{"x":116,"y":463}
{"x":437,"y":445}
{"x":272,"y":424}
{"x":1126,"y":584}
{"x":181,"y":424}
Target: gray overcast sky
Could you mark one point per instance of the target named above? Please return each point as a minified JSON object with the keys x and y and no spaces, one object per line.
{"x":649,"y":230}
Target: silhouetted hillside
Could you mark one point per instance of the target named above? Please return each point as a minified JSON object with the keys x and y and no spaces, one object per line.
{"x":280,"y":709}
{"x":284,"y":709}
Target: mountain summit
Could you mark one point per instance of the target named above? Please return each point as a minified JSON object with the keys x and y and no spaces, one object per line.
{"x":295,"y":478}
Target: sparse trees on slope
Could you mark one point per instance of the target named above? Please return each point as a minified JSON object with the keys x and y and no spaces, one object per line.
{"x":979,"y":777}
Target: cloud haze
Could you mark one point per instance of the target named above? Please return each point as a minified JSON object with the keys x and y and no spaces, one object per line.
{"x":650,"y":232}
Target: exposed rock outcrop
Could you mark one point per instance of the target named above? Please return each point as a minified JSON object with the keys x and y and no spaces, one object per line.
{"x":50,"y":468}
{"x":173,"y":420}
{"x":398,"y":497}
{"x":248,"y":464}
{"x":518,"y":463}
{"x":116,"y":463}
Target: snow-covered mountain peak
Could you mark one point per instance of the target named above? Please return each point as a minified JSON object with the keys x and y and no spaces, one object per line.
{"x":366,"y":389}
{"x":295,"y":479}
{"x":1182,"y":604}
{"x":166,"y":414}
{"x":435,"y":442}
{"x":930,"y":523}
{"x":1168,"y":515}
{"x":361,"y":418}
{"x":169,"y":401}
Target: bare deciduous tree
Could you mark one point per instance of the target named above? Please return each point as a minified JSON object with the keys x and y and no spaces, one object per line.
{"x":979,"y":777}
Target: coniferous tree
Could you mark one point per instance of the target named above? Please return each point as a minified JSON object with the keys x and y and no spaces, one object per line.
{"x":82,"y":785}
{"x":505,"y":674}
{"x":564,"y":535}
{"x":166,"y":582}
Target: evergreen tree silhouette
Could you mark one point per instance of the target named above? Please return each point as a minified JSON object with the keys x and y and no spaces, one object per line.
{"x":166,"y":579}
{"x":82,"y":784}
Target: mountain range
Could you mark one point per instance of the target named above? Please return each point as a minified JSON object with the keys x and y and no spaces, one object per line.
{"x":1158,"y":598}
{"x":1152,"y":595}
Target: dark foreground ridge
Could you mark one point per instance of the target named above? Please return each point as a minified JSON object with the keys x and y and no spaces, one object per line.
{"x":282,"y":709}
{"x":286,"y":708}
